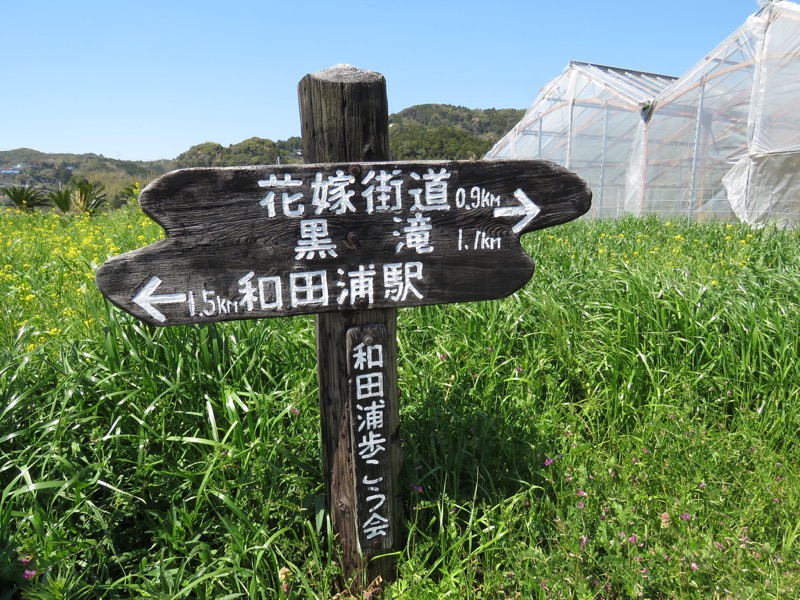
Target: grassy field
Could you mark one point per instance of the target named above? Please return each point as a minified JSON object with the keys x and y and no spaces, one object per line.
{"x":624,"y":426}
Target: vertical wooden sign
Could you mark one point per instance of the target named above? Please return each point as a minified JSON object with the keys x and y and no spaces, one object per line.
{"x":344,"y":114}
{"x":371,"y":373}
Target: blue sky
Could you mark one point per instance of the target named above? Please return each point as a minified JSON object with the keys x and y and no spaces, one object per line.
{"x":148,"y":79}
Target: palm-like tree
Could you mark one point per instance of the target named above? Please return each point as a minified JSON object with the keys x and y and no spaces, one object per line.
{"x":128,"y":195}
{"x":62,"y":199}
{"x":88,"y":197}
{"x":25,"y":197}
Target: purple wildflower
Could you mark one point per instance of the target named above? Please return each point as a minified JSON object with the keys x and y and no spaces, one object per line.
{"x":548,"y":462}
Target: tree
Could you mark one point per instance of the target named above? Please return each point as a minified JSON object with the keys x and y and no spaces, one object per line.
{"x":25,"y":197}
{"x":252,"y":151}
{"x":292,"y":144}
{"x":127,"y":195}
{"x":417,"y":142}
{"x":201,"y":155}
{"x":490,"y":124}
{"x":87,"y":197}
{"x":62,"y":199}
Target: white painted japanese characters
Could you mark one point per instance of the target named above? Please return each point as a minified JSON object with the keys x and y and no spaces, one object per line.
{"x":369,"y":381}
{"x":253,"y":242}
{"x":266,"y":296}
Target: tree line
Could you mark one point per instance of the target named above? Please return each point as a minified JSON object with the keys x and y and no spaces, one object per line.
{"x":421,"y":132}
{"x":80,"y":196}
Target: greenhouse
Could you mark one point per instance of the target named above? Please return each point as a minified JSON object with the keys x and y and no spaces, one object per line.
{"x":721,"y":142}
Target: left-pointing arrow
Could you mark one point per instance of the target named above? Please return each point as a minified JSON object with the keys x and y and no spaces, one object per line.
{"x":146,"y":299}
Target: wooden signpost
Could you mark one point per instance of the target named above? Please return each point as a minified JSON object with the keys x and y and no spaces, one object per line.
{"x":277,"y":241}
{"x":350,"y":238}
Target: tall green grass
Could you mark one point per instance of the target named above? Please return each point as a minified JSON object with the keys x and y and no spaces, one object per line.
{"x":624,"y":426}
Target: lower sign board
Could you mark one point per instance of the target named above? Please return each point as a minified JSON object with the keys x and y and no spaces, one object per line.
{"x":368,"y":376}
{"x":273,"y":241}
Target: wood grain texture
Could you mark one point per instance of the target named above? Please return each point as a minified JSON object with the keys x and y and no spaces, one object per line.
{"x":218,"y":229}
{"x":344,"y":117}
{"x":372,"y":377}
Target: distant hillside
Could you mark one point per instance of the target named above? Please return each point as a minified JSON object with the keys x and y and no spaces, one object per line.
{"x":252,"y":151}
{"x":425,"y":131}
{"x":31,"y":167}
{"x":443,"y":131}
{"x":489,"y":123}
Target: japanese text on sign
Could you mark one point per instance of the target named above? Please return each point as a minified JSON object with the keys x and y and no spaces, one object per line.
{"x":368,"y":374}
{"x":394,"y":282}
{"x":384,"y":193}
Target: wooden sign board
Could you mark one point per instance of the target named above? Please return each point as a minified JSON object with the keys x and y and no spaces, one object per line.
{"x":273,"y":241}
{"x":371,"y":372}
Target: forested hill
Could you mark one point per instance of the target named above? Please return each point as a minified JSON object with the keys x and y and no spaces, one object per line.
{"x":421,"y":132}
{"x":425,"y":131}
{"x":443,"y":131}
{"x":489,"y":123}
{"x":24,"y":166}
{"x":252,"y":151}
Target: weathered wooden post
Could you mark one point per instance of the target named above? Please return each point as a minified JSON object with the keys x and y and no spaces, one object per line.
{"x":350,"y":242}
{"x":344,"y":118}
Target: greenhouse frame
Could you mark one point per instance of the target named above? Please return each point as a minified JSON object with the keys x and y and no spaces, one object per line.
{"x":721,"y":142}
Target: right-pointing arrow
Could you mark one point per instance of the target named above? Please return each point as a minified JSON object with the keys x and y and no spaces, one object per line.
{"x":146,"y":299}
{"x":527,"y":211}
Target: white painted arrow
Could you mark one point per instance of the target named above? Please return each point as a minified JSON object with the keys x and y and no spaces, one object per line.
{"x":528,"y":211}
{"x":146,"y":299}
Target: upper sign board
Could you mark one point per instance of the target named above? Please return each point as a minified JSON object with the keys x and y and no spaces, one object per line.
{"x":271,"y":241}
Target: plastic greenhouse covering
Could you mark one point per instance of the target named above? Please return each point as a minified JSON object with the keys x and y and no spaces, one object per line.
{"x":722,"y":141}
